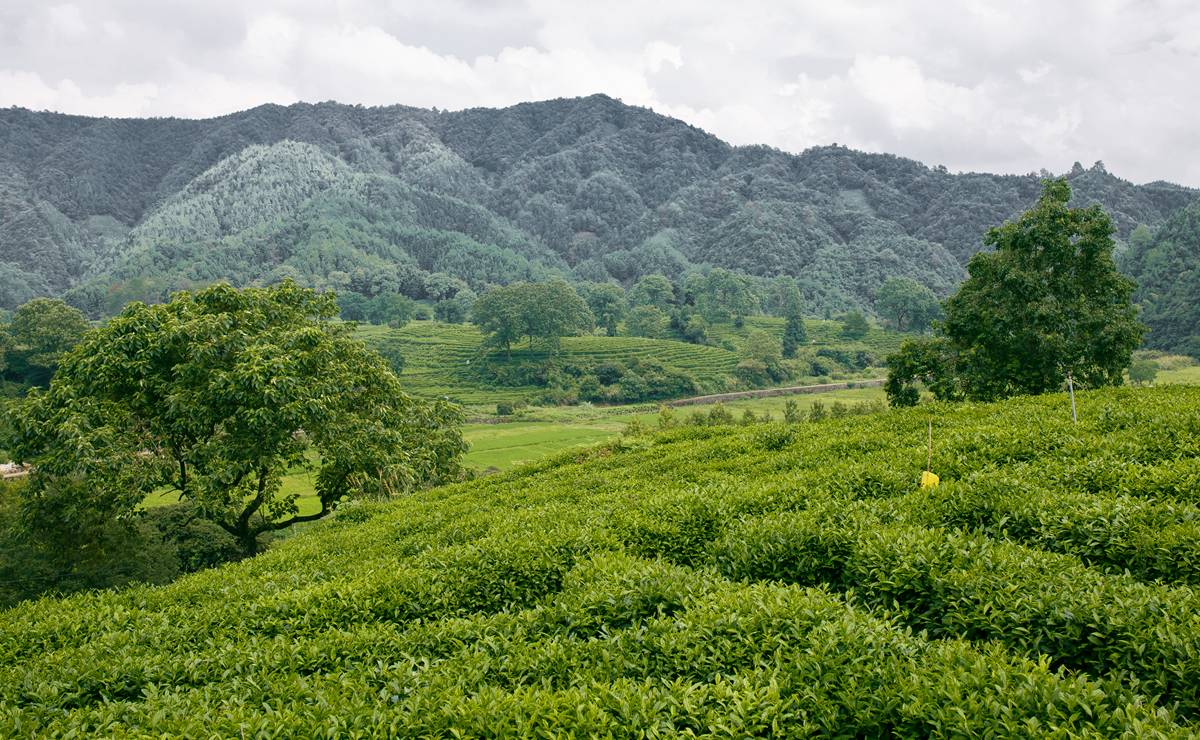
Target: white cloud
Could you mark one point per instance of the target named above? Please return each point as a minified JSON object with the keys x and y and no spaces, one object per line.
{"x":29,"y":90}
{"x":1007,"y":87}
{"x":659,"y":53}
{"x":67,"y":21}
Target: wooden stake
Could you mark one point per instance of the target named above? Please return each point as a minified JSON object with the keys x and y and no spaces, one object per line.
{"x":1071,"y":388}
{"x":929,"y":461}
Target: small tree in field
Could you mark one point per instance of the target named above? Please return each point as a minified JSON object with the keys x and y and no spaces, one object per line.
{"x":795,"y":335}
{"x":546,"y":311}
{"x":909,"y":305}
{"x":855,"y":326}
{"x":216,"y":395}
{"x":608,"y":305}
{"x":40,"y":332}
{"x":1143,"y":372}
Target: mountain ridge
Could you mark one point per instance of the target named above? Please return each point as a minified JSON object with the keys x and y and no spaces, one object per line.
{"x":588,"y":188}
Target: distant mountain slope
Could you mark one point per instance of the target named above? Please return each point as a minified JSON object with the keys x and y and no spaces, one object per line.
{"x":368,"y":199}
{"x":1166,"y":266}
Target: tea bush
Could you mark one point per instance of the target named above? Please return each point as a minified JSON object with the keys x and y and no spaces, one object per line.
{"x":716,"y":580}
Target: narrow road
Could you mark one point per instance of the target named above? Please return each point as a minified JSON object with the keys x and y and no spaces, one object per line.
{"x":769,"y":392}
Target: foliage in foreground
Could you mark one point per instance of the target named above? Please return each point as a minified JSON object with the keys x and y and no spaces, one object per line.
{"x":769,"y":579}
{"x":217,"y":394}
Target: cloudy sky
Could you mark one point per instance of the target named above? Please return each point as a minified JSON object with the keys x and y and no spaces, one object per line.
{"x":1004,"y":86}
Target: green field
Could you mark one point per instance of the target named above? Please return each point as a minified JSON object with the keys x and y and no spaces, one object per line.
{"x":1174,"y":369}
{"x":545,"y":431}
{"x":735,"y":581}
{"x":538,"y":433}
{"x":822,"y":333}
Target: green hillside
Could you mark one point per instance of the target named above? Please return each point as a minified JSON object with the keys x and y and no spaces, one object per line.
{"x":710,"y":581}
{"x":439,"y":359}
{"x":1166,"y":266}
{"x":389,"y":198}
{"x":444,"y":359}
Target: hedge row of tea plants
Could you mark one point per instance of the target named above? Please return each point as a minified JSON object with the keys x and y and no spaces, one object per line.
{"x":1151,"y":540}
{"x":718,"y":580}
{"x":960,"y":584}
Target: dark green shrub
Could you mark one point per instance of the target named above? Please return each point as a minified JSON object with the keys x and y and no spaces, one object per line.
{"x":198,"y":543}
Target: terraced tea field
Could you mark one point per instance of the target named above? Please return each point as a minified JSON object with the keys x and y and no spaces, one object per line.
{"x":822,"y":333}
{"x":720,"y":581}
{"x":439,"y":359}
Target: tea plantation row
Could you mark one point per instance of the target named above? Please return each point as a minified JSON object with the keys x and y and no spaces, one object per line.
{"x":748,"y":581}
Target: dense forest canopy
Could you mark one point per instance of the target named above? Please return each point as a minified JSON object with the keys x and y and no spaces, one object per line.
{"x":398,"y":199}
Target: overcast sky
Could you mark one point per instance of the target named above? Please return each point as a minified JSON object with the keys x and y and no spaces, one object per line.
{"x":1002,"y":86}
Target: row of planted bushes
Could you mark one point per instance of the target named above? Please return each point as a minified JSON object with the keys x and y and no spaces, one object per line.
{"x":962,"y":584}
{"x":618,"y":642}
{"x":683,"y":583}
{"x":1117,"y":533}
{"x":632,"y":381}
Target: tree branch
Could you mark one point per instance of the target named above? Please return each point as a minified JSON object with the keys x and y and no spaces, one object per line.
{"x":298,"y":519}
{"x":256,"y":504}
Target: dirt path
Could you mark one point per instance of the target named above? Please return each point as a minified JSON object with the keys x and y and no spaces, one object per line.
{"x":769,"y":392}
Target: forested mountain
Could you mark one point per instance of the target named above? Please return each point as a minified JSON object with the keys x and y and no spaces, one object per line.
{"x":1166,"y":266}
{"x":397,"y":198}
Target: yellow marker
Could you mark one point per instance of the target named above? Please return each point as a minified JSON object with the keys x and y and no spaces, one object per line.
{"x":929,"y":480}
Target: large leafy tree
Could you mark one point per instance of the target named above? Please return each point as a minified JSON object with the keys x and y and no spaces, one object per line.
{"x":40,"y":332}
{"x":722,"y":294}
{"x":216,"y":395}
{"x":909,"y":305}
{"x":500,"y":314}
{"x":554,"y":310}
{"x":653,"y":290}
{"x":647,"y":321}
{"x":1045,"y":305}
{"x":607,"y":303}
{"x":546,"y":311}
{"x":855,"y":326}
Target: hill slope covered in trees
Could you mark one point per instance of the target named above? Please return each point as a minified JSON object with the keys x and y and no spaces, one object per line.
{"x":375,"y":199}
{"x":1166,"y":266}
{"x":768,"y":579}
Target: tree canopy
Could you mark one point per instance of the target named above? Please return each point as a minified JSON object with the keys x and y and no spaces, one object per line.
{"x":1048,"y":303}
{"x":608,"y":305}
{"x":36,"y":337}
{"x":854,"y":325}
{"x":216,"y":395}
{"x":1166,"y":266}
{"x":721,"y":295}
{"x":907,"y":304}
{"x":544,"y":311}
{"x":399,"y":199}
{"x":795,"y":334}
